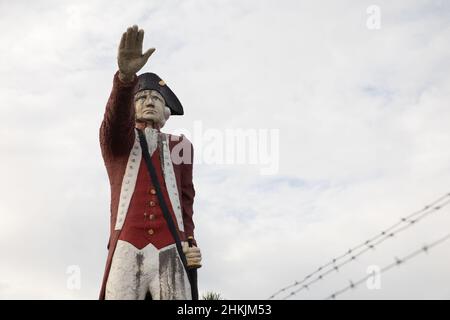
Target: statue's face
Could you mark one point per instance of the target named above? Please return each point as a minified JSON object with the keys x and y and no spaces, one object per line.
{"x":149,"y":106}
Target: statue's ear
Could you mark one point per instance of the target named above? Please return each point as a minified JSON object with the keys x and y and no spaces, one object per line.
{"x":167,"y":112}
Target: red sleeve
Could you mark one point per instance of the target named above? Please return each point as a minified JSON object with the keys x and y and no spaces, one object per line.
{"x":117,"y":129}
{"x":188,"y":192}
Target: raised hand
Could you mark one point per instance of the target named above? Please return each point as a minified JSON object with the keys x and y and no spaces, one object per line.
{"x":130,"y":58}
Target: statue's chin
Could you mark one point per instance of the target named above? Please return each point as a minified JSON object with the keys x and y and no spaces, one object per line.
{"x":149,"y":119}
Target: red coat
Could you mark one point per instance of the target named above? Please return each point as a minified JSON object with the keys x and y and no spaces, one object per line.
{"x":117,"y":135}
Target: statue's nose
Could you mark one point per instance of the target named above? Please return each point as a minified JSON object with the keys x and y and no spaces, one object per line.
{"x":149,"y":103}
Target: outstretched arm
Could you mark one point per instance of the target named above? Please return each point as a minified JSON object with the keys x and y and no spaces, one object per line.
{"x":116,"y":131}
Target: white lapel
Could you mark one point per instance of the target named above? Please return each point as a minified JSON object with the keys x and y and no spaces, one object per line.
{"x":129,"y":182}
{"x":171,"y":183}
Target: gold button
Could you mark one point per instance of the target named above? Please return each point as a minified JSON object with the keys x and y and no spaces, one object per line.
{"x":152,"y":191}
{"x":150,"y":231}
{"x":161,"y":83}
{"x":152,"y":217}
{"x":152,"y":203}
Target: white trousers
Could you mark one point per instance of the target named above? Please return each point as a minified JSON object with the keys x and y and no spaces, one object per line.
{"x":134,"y":272}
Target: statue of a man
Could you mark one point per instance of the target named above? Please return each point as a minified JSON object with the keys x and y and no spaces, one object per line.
{"x":143,"y":260}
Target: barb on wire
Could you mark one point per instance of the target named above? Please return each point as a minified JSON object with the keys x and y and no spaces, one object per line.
{"x":369,"y":244}
{"x":397,"y":262}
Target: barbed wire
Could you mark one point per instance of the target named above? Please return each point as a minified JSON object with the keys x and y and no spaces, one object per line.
{"x":397,"y":262}
{"x":367,"y":245}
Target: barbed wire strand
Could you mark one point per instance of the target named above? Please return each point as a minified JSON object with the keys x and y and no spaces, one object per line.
{"x":397,"y":262}
{"x":369,"y":247}
{"x":385,"y":234}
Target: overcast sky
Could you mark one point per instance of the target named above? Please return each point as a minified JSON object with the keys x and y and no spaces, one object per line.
{"x":359,"y":124}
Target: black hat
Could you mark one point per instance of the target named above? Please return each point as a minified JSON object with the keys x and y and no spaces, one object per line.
{"x":151,"y":81}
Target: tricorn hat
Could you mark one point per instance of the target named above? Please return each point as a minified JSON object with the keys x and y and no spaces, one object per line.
{"x":151,"y":81}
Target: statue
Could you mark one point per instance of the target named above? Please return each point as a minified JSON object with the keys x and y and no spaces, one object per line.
{"x":151,"y":245}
